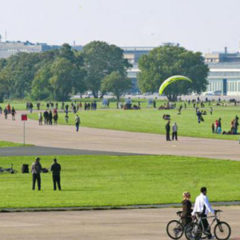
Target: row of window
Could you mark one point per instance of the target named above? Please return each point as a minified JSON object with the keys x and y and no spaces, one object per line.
{"x":232,"y":86}
{"x":224,"y":74}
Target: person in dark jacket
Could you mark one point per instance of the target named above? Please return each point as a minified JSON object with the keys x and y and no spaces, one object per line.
{"x":187,"y":208}
{"x":50,"y":117}
{"x":77,"y":122}
{"x":36,"y":171}
{"x":56,"y":169}
{"x":167,"y":127}
{"x":45,"y":116}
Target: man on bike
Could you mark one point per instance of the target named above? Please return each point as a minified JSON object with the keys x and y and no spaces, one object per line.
{"x":203,"y":207}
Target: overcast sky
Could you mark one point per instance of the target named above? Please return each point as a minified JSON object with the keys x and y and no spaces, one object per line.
{"x":199,"y":25}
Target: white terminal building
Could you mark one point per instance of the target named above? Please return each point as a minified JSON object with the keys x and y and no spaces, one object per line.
{"x":224,"y":73}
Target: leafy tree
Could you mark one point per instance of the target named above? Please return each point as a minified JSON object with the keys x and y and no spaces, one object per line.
{"x":66,"y":52}
{"x":65,"y":76}
{"x":168,"y":60}
{"x":100,"y":60}
{"x":3,"y":63}
{"x":18,"y":74}
{"x":60,"y":73}
{"x":41,"y":87}
{"x":116,"y":83}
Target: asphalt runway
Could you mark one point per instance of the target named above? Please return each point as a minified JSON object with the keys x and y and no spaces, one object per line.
{"x":136,"y":224}
{"x":102,"y":140}
{"x":43,"y":151}
{"x":139,"y":224}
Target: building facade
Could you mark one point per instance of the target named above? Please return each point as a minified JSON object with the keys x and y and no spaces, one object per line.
{"x":8,"y":48}
{"x":224,"y":73}
{"x":132,"y":54}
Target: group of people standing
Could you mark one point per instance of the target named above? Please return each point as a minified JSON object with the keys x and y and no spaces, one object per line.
{"x":234,"y":125}
{"x":174,"y":131}
{"x":8,"y":110}
{"x":48,"y":117}
{"x":217,"y":127}
{"x":37,"y":170}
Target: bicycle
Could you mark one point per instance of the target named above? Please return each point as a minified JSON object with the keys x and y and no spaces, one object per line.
{"x":195,"y":230}
{"x":175,"y":228}
{"x":9,"y":170}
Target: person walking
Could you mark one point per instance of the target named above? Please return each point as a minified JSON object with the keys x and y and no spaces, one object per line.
{"x":167,"y":127}
{"x":36,"y":171}
{"x":77,"y":122}
{"x":50,"y":117}
{"x":199,"y":116}
{"x":5,"y":112}
{"x":211,"y":110}
{"x":56,"y":169}
{"x":186,"y":209}
{"x":174,"y":131}
{"x":236,"y":124}
{"x":203,"y":207}
{"x":55,"y":118}
{"x":45,"y":116}
{"x":13,"y":113}
{"x":40,"y":118}
{"x":213,"y":128}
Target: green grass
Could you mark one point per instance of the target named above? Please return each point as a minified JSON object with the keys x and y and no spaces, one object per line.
{"x":120,"y":180}
{"x":151,"y":121}
{"x":11,"y":144}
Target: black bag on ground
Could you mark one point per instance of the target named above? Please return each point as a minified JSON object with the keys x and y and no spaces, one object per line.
{"x":25,"y":168}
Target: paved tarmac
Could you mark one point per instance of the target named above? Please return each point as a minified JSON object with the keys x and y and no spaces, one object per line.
{"x":115,"y":141}
{"x":43,"y":151}
{"x":144,"y":224}
{"x":141,"y":224}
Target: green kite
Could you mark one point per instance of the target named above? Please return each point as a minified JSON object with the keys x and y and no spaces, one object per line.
{"x":170,"y":80}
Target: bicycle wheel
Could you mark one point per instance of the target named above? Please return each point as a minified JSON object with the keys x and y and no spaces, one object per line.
{"x":222,"y":231}
{"x":193,"y":231}
{"x":174,"y":229}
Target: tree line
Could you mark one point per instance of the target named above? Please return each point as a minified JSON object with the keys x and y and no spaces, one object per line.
{"x":99,"y":67}
{"x":59,"y":73}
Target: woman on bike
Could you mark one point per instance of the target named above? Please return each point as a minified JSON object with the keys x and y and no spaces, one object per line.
{"x":187,"y":208}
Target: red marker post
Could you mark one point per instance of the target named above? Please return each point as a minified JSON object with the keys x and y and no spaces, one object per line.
{"x":24,"y":119}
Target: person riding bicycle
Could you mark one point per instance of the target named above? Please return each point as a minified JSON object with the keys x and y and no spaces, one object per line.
{"x":203,"y":207}
{"x":187,"y":208}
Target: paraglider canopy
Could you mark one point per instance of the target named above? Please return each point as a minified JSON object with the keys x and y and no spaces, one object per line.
{"x":170,"y":80}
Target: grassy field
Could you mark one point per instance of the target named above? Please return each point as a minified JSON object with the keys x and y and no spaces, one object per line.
{"x":120,"y":180}
{"x":11,"y":144}
{"x":151,"y":121}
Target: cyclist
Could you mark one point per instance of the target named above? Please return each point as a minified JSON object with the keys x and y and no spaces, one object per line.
{"x":187,"y":208}
{"x":203,"y":207}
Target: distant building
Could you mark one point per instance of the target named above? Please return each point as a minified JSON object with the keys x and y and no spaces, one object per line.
{"x":8,"y":48}
{"x":132,"y":54}
{"x":224,"y":73}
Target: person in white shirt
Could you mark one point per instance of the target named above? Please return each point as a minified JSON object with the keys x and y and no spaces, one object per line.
{"x":203,"y":207}
{"x":174,"y":131}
